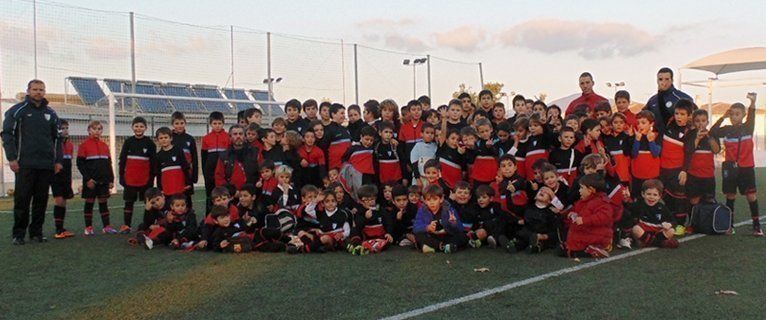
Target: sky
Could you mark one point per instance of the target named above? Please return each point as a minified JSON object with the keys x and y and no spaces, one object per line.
{"x":532,"y":47}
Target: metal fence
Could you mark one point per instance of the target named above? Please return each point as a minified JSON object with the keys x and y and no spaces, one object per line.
{"x":53,"y":41}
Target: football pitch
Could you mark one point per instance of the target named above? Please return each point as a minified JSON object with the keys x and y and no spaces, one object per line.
{"x":102,"y":277}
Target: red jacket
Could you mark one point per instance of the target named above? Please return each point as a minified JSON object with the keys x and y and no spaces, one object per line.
{"x":597,"y":213}
{"x":591,"y":99}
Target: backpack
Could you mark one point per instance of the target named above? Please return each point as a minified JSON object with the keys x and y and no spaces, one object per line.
{"x":282,"y":220}
{"x":711,"y":217}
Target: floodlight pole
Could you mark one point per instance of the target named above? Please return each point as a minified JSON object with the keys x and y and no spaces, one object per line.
{"x":113,"y":138}
{"x":232,"y":55}
{"x":356,"y":75}
{"x":268,"y":70}
{"x":132,"y":63}
{"x":481,"y":76}
{"x":428,"y":70}
{"x":34,"y":32}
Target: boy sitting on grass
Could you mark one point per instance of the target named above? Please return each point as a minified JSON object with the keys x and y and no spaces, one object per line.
{"x":437,"y":226}
{"x":654,"y":227}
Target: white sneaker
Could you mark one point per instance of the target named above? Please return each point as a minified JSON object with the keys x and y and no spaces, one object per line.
{"x":625,"y":243}
{"x":405,"y":243}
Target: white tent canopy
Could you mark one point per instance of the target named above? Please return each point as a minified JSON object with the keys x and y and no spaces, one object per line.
{"x":737,"y":60}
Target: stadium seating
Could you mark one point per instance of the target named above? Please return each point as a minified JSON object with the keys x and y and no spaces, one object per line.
{"x":238,"y":94}
{"x":275,"y":109}
{"x":88,"y":90}
{"x":181,"y":90}
{"x":208,"y":91}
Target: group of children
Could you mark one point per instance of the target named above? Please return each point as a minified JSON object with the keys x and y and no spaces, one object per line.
{"x":435,"y":179}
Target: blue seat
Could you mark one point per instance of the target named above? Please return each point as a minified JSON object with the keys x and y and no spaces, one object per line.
{"x":208,"y":91}
{"x":88,"y":89}
{"x":181,"y":90}
{"x":262,"y":95}
{"x":238,"y":94}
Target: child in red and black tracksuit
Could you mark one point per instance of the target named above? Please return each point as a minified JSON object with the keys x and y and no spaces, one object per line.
{"x":737,"y":168}
{"x":294,"y":120}
{"x":213,"y":144}
{"x":513,"y":195}
{"x":542,"y":226}
{"x":137,"y":162}
{"x":228,"y":234}
{"x":699,"y":162}
{"x":268,"y":181}
{"x":338,"y":137}
{"x":61,"y":184}
{"x":272,"y":149}
{"x":520,"y":146}
{"x":619,"y":145}
{"x":451,"y":159}
{"x":485,"y":164}
{"x":565,"y":158}
{"x":332,"y":229}
{"x":388,"y":159}
{"x":95,"y":165}
{"x":371,"y":230}
{"x":171,"y":167}
{"x":674,"y":138}
{"x":591,"y":221}
{"x":178,"y":228}
{"x":188,"y":145}
{"x":436,"y":225}
{"x":538,"y":143}
{"x":410,"y":133}
{"x":263,"y":239}
{"x":645,"y":153}
{"x":285,"y":195}
{"x":313,"y":161}
{"x":361,"y":156}
{"x":402,"y":213}
{"x":654,"y":221}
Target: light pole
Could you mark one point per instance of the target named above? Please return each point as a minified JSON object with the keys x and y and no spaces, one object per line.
{"x":615,"y":85}
{"x":270,"y":82}
{"x":414,"y":63}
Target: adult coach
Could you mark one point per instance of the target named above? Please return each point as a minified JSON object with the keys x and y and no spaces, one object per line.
{"x":239,"y":163}
{"x":588,"y":97}
{"x":33,"y":148}
{"x":663,"y":103}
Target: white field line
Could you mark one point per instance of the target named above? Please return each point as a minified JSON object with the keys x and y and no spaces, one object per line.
{"x":528,"y":281}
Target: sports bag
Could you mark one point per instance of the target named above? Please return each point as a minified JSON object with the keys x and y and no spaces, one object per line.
{"x":711,"y":217}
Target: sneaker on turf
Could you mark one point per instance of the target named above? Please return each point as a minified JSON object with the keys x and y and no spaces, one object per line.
{"x":534,"y":244}
{"x":63,"y":234}
{"x":680,"y":231}
{"x":89,"y":231}
{"x":109,"y":230}
{"x":125,"y":229}
{"x":669,"y":243}
{"x":39,"y":239}
{"x":18,"y":241}
{"x":427,"y":249}
{"x":491,"y":242}
{"x":625,"y":243}
{"x":757,"y":230}
{"x":144,"y":240}
{"x":405,"y":243}
{"x":474,"y":243}
{"x":449,"y":248}
{"x":596,"y":252}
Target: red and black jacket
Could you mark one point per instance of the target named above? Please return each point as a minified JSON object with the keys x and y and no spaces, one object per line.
{"x":65,"y":175}
{"x":645,"y":163}
{"x":515,"y":201}
{"x":186,"y":143}
{"x":566,"y":163}
{"x":289,"y":199}
{"x":738,"y":140}
{"x":520,"y":153}
{"x":340,"y":142}
{"x":673,"y":140}
{"x":173,"y":172}
{"x":361,"y":158}
{"x":485,"y":163}
{"x":298,"y":126}
{"x":137,"y":162}
{"x":410,"y":134}
{"x":317,"y":168}
{"x":213,"y":144}
{"x":237,"y":167}
{"x":388,"y":162}
{"x":699,"y":160}
{"x":618,"y":147}
{"x":275,"y":154}
{"x":94,"y":162}
{"x":452,"y":164}
{"x":375,"y":227}
{"x":538,"y":147}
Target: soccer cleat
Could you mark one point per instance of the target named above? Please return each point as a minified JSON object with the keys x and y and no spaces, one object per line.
{"x":534,"y":244}
{"x":405,"y":243}
{"x":491,"y":242}
{"x":39,"y":239}
{"x":360,"y":250}
{"x":427,"y":249}
{"x":596,"y":252}
{"x":109,"y":230}
{"x":757,"y":230}
{"x":449,"y":248}
{"x":625,"y":243}
{"x":89,"y":231}
{"x":669,"y":243}
{"x":144,"y":240}
{"x":18,"y":241}
{"x":125,"y":229}
{"x":680,"y":231}
{"x":350,"y":248}
{"x":474,"y":243}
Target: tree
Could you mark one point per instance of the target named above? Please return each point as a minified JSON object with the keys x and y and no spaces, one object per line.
{"x":495,"y":87}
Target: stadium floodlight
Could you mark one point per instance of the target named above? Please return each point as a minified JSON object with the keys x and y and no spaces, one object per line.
{"x":414,"y":63}
{"x":272,"y":80}
{"x":616,"y":85}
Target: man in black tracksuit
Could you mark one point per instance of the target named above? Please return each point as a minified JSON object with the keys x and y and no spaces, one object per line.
{"x":33,"y":148}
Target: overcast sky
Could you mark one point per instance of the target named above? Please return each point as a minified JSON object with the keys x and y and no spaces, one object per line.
{"x":532,"y":47}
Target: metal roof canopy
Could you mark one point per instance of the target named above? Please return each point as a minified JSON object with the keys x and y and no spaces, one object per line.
{"x":737,"y":60}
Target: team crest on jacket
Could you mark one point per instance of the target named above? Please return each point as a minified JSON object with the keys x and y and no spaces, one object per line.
{"x":144,"y":150}
{"x":334,"y":226}
{"x":389,"y":153}
{"x":47,"y":117}
{"x":188,"y":143}
{"x":668,"y":104}
{"x":173,"y":157}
